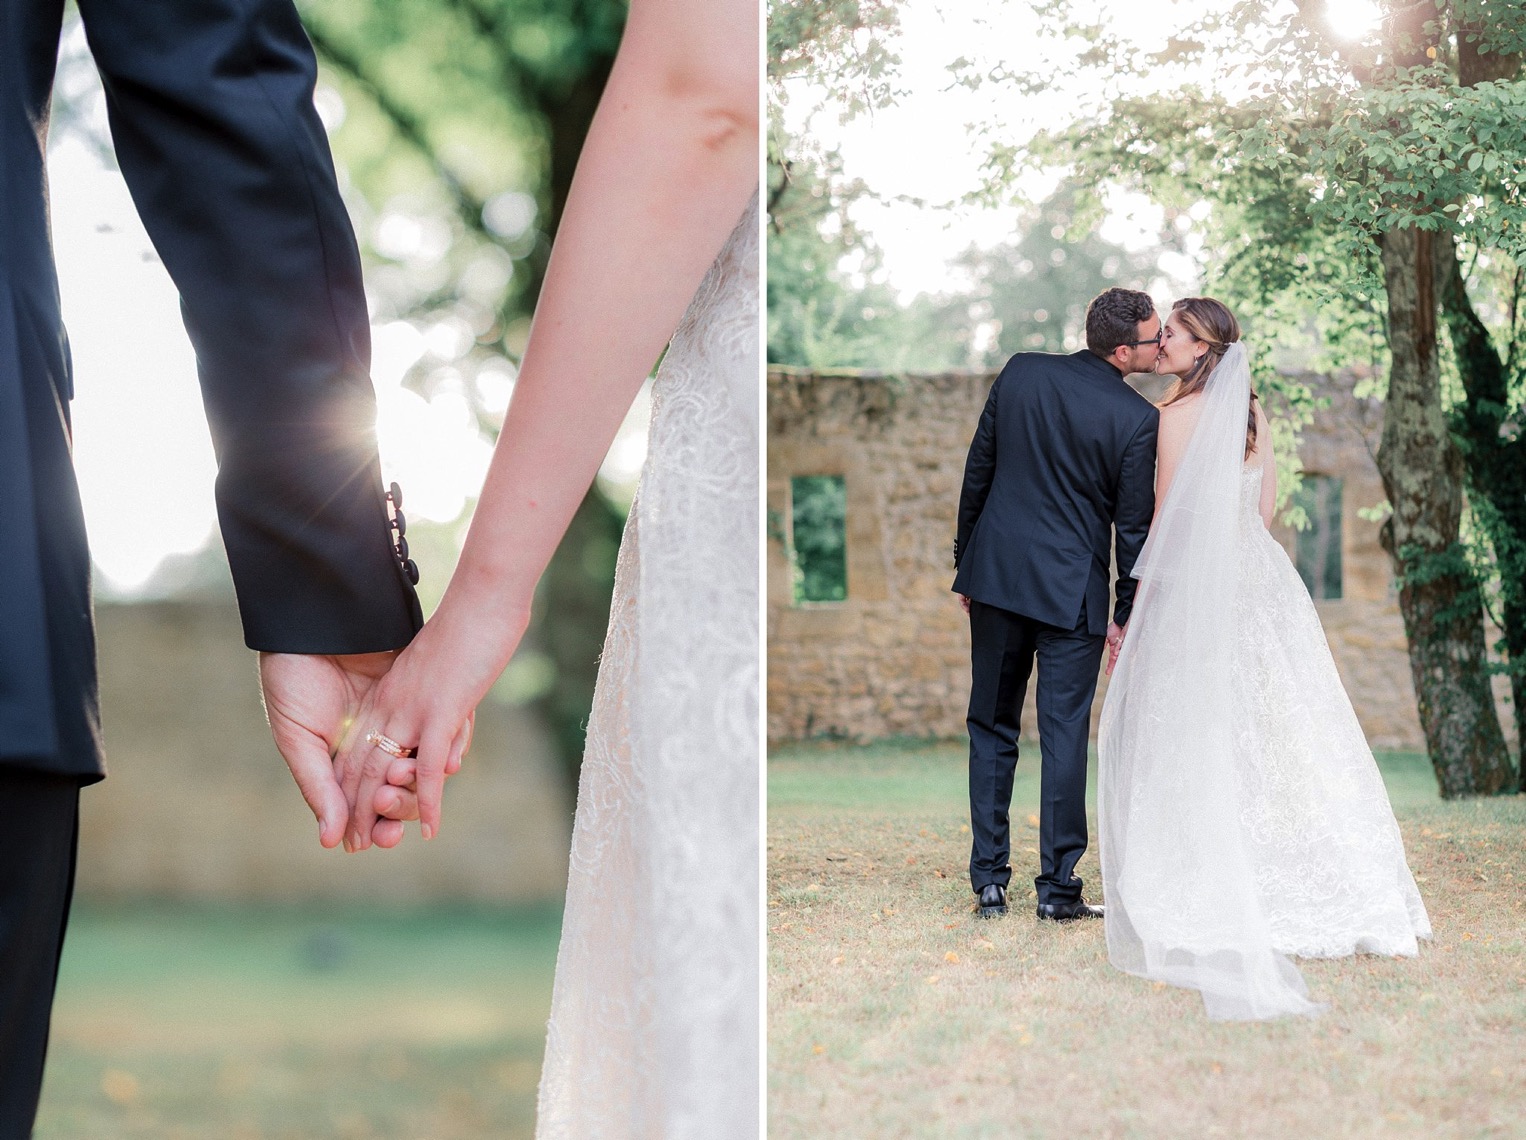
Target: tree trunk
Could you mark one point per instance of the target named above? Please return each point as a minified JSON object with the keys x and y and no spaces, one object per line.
{"x":1494,"y":457}
{"x":1422,"y":473}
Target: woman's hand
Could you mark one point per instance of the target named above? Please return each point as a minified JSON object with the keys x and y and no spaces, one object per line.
{"x":426,"y":702}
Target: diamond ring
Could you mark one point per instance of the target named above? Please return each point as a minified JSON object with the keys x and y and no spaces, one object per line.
{"x":390,"y":746}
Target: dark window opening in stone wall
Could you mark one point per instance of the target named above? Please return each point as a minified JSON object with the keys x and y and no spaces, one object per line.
{"x":819,"y":537}
{"x":1319,"y":544}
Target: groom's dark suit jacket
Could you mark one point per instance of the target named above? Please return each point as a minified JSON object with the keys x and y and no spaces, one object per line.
{"x":212,"y":118}
{"x":1064,"y":454}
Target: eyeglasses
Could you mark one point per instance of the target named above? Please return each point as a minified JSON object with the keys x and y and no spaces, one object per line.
{"x":1157,"y":340}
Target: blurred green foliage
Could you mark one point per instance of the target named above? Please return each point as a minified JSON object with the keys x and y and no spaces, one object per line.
{"x":819,"y":537}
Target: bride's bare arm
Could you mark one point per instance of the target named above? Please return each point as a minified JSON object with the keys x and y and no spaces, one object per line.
{"x":667,"y":169}
{"x":1268,"y":502}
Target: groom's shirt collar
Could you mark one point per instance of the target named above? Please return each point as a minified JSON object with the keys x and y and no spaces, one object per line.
{"x":1096,"y":361}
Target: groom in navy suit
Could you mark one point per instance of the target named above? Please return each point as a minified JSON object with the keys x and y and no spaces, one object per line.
{"x":1063,"y":459}
{"x":212,"y":118}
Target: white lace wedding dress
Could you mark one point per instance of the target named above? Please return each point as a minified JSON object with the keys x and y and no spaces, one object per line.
{"x":654,"y":1021}
{"x":1242,"y":816}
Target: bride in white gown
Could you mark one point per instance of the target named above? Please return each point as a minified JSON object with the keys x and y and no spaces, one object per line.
{"x":654,"y":1026}
{"x":1242,"y":816}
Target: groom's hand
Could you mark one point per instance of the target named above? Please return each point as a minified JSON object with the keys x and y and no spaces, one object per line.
{"x":311,"y":702}
{"x":964,"y":602}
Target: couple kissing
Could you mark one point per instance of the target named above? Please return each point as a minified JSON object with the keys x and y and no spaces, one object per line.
{"x":1242,"y":817}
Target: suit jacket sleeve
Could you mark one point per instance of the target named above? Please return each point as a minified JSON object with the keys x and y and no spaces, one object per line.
{"x":212,"y":116}
{"x":979,"y":467}
{"x":1136,"y":507}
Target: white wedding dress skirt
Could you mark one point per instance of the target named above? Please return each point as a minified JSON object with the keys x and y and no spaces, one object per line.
{"x":1231,"y":842}
{"x":654,"y":1026}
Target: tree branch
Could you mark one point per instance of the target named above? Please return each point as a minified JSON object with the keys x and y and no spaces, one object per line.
{"x":408,"y":125}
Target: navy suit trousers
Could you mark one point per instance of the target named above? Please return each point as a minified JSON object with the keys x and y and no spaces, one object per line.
{"x":1003,"y":649}
{"x":37,"y":856}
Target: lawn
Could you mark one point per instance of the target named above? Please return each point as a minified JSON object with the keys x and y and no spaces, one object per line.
{"x":192,"y":1024}
{"x":893,"y":1011}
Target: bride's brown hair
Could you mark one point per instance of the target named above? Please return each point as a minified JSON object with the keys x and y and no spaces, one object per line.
{"x":1212,"y":323}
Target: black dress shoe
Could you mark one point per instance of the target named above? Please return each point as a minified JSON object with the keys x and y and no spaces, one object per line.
{"x":993,"y":900}
{"x":1068,"y":912}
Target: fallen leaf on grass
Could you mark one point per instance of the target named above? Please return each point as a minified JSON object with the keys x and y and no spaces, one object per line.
{"x":963,"y":828}
{"x":837,"y":961}
{"x":932,"y":979}
{"x":1216,"y":1068}
{"x":940,"y":874}
{"x":1158,"y":985}
{"x":1033,"y":821}
{"x":951,"y":925}
{"x":910,"y":859}
{"x":818,"y":1049}
{"x":951,"y":957}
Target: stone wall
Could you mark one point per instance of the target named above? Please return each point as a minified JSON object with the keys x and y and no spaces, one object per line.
{"x":893,"y":659}
{"x":199,"y":805}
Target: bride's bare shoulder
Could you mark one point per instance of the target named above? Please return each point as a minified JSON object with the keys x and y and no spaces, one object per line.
{"x":1184,"y":406}
{"x":1179,"y":416}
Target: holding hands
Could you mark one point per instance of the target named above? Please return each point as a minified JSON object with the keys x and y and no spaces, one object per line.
{"x":414,"y":726}
{"x":1115,"y":634}
{"x":369,"y":738}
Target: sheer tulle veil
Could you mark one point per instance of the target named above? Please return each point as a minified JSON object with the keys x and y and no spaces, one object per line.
{"x":1180,"y":887}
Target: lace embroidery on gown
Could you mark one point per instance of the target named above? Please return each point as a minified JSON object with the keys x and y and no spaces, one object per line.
{"x":1215,"y":872}
{"x":654,"y":1021}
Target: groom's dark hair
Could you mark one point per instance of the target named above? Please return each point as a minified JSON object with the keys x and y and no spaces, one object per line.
{"x":1113,"y":318}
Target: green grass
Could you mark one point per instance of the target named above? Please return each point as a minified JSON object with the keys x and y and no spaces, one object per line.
{"x":184,"y":1023}
{"x":894,"y":1012}
{"x":916,"y":774}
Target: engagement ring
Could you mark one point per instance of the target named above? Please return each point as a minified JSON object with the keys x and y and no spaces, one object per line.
{"x":390,"y":746}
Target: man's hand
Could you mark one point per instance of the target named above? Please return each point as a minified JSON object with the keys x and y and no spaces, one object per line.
{"x":964,"y":602}
{"x":311,"y":702}
{"x":1115,"y":635}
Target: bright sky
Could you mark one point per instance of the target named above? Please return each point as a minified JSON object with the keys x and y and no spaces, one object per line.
{"x":142,"y":449}
{"x":922,"y":146}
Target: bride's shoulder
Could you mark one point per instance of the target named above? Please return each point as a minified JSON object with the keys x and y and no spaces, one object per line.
{"x":1180,"y":407}
{"x":1181,"y":413}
